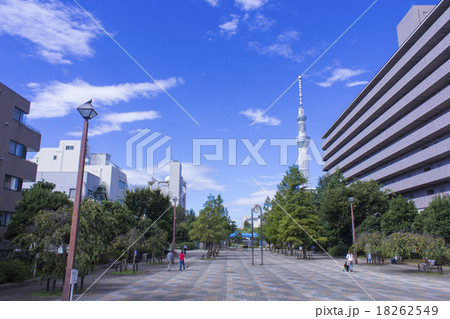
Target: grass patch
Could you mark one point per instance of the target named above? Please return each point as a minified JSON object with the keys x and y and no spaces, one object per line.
{"x":47,"y":294}
{"x":126,"y":272}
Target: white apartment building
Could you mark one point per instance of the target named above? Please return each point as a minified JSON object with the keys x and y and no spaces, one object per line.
{"x":397,"y":130}
{"x":103,"y":180}
{"x":174,"y":185}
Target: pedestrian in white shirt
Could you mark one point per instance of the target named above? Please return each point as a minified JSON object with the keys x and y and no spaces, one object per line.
{"x":349,"y":258}
{"x":169,"y":260}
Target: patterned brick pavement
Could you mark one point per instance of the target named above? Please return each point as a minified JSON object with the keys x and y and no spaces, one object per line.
{"x":232,"y":277}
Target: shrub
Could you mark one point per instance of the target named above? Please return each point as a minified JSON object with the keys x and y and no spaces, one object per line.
{"x":14,"y":270}
{"x":339,"y":250}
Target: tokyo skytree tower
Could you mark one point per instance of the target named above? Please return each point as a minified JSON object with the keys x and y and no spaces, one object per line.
{"x":302,"y":138}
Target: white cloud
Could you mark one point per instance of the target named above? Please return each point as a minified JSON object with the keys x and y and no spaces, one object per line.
{"x":191,"y":173}
{"x":213,"y":3}
{"x":289,"y":36}
{"x":230,"y":28}
{"x":256,"y":115}
{"x":260,"y":23}
{"x":340,"y":75}
{"x":283,"y":47}
{"x":56,"y":30}
{"x":249,"y":5}
{"x":254,"y":198}
{"x":57,"y":99}
{"x":112,"y":122}
{"x":352,"y":84}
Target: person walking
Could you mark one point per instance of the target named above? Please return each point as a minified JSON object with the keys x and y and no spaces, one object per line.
{"x":169,"y":260}
{"x":184,"y":249}
{"x":349,"y":258}
{"x":182,"y":258}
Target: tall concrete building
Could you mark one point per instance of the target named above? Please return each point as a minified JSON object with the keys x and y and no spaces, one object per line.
{"x":103,"y":180}
{"x":16,"y":140}
{"x":397,"y":130}
{"x":174,"y":185}
{"x":302,"y":138}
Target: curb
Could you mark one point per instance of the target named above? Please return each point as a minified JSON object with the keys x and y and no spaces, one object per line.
{"x":18,"y":284}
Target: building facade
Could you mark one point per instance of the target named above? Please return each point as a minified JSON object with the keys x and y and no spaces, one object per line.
{"x":397,"y":130}
{"x":16,"y":140}
{"x":174,"y":185}
{"x":103,"y":180}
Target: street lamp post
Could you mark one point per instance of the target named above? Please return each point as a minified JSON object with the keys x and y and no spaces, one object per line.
{"x":255,"y":209}
{"x":253,"y":254}
{"x":88,"y":113}
{"x":261,"y":237}
{"x":174,"y":220}
{"x":351,"y":199}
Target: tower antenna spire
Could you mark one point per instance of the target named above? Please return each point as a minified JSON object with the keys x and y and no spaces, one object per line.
{"x":300,"y":90}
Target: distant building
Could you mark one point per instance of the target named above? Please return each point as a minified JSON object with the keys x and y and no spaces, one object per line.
{"x":397,"y":130}
{"x":174,"y":185}
{"x":16,"y":140}
{"x":103,"y":180}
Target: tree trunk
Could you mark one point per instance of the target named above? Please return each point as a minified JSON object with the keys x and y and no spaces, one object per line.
{"x":291,"y":246}
{"x":304,"y":253}
{"x":47,"y":288}
{"x":53,"y":286}
{"x":82,"y":283}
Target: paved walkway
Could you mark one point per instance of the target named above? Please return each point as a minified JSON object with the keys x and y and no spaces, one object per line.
{"x":232,"y":277}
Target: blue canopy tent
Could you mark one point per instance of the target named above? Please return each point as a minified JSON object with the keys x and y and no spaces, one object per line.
{"x":244,"y":235}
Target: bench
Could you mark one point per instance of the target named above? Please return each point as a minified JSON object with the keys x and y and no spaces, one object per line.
{"x":429,"y":265}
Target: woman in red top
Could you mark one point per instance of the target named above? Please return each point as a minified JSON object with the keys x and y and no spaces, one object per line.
{"x":182,"y":260}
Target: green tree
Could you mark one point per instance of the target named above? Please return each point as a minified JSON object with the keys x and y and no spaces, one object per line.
{"x":151,"y":205}
{"x":400,"y":217}
{"x":212,"y":224}
{"x":435,"y":219}
{"x":46,"y":238}
{"x":39,"y":197}
{"x":97,"y":229}
{"x":300,"y":223}
{"x":331,"y":198}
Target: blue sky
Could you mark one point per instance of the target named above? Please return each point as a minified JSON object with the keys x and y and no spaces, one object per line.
{"x":223,"y":61}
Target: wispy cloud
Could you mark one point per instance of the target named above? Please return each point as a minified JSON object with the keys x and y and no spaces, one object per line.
{"x":249,"y":5}
{"x":352,"y":84}
{"x":113,"y":122}
{"x":190,"y":174}
{"x":283,"y":46}
{"x":260,"y":23}
{"x":57,"y":99}
{"x":57,"y":30}
{"x":255,"y":115}
{"x":230,"y":28}
{"x":254,"y":198}
{"x":341,"y":75}
{"x":213,"y":3}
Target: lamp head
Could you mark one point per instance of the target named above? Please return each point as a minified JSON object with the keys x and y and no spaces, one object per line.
{"x":257,"y":209}
{"x":174,"y":199}
{"x":351,"y":199}
{"x":87,"y":111}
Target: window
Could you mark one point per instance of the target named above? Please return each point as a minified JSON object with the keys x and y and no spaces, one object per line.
{"x":122,"y":185}
{"x":17,"y":149}
{"x":430,"y":192}
{"x":69,"y":147}
{"x":19,"y":115}
{"x":72,"y":193}
{"x":55,"y":157}
{"x":12,"y":183}
{"x":5,"y":218}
